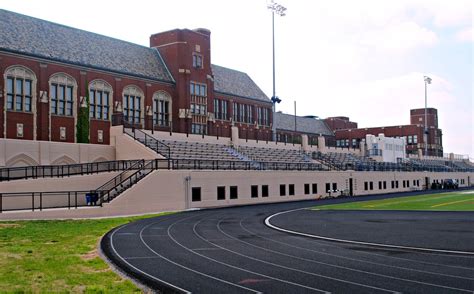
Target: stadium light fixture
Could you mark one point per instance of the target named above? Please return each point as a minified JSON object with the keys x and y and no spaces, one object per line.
{"x":281,"y":11}
{"x":425,"y":135}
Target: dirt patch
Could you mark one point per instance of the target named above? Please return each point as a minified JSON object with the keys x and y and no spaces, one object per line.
{"x":4,"y":226}
{"x":90,"y":255}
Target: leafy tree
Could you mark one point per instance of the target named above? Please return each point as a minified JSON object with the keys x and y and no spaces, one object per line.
{"x":82,"y":126}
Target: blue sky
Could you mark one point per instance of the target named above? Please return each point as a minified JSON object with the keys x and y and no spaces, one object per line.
{"x":364,"y":59}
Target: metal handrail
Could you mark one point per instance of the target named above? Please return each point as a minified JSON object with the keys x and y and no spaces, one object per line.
{"x":118,"y":178}
{"x":104,"y":195}
{"x":46,"y":171}
{"x":147,"y":140}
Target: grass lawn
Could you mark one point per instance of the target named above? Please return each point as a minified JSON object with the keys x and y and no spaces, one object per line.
{"x":452,"y":201}
{"x":58,"y":256}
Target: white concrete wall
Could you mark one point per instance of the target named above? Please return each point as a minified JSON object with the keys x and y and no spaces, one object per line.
{"x":392,"y":148}
{"x":127,"y":148}
{"x":72,"y":183}
{"x":169,"y":190}
{"x":26,"y":153}
{"x":22,"y":199}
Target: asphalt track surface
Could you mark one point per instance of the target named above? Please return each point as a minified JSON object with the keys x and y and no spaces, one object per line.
{"x":232,"y":251}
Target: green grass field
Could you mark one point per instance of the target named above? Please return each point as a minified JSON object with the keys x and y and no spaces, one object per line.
{"x":58,"y":256}
{"x":452,"y":201}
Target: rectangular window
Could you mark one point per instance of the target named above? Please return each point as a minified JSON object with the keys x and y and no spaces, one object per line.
{"x":265,"y":117}
{"x":403,"y":184}
{"x":196,"y":194}
{"x":241,"y":112}
{"x":235,"y":109}
{"x":315,"y":188}
{"x":92,"y":104}
{"x":328,"y":187}
{"x":254,"y":191}
{"x":224,"y":109}
{"x":10,"y":93}
{"x":393,"y":184}
{"x":28,"y":95}
{"x":396,"y":184}
{"x":264,"y":190}
{"x":54,"y":99}
{"x":408,"y":184}
{"x":69,"y":100}
{"x":306,"y":189}
{"x":61,"y":99}
{"x":415,"y":139}
{"x":291,"y":189}
{"x":410,"y":139}
{"x":197,"y":61}
{"x":366,"y":186}
{"x":99,"y":105}
{"x":417,"y":183}
{"x":384,"y":185}
{"x":380,"y":185}
{"x":250,"y":114}
{"x":98,"y":101}
{"x":221,"y":193}
{"x":334,"y":186}
{"x":132,"y":108}
{"x":283,"y":190}
{"x":217,"y":112}
{"x":19,"y":95}
{"x":233,"y":192}
{"x":371,"y":185}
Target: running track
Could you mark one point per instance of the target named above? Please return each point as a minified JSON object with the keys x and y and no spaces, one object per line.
{"x":233,"y":251}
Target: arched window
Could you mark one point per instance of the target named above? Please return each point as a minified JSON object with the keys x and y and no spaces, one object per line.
{"x":100,"y":93}
{"x":20,"y":87}
{"x":161,"y":109}
{"x":132,"y":104}
{"x":62,"y":93}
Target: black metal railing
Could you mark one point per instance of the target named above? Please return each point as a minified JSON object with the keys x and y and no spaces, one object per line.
{"x":42,"y":200}
{"x":149,"y":141}
{"x":119,"y":184}
{"x":50,"y":171}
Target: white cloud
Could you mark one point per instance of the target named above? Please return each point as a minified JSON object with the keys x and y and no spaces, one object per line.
{"x":398,"y":37}
{"x":465,"y":35}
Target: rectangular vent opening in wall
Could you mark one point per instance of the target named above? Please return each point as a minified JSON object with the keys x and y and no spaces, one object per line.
{"x":62,"y":133}
{"x":100,"y":136}
{"x":19,"y":130}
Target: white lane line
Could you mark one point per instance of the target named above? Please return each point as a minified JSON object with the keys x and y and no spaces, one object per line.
{"x":299,"y":258}
{"x":185,"y":267}
{"x":249,"y":271}
{"x":352,"y":259}
{"x":356,"y":270}
{"x":267,"y":222}
{"x":320,"y":243}
{"x":204,"y":249}
{"x":139,"y":270}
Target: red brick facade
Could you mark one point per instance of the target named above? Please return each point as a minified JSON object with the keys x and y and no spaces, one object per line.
{"x":413,"y":133}
{"x":340,"y":123}
{"x":176,"y":47}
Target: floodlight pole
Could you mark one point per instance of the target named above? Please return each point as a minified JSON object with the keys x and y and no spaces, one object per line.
{"x":280,"y":10}
{"x":425,"y":135}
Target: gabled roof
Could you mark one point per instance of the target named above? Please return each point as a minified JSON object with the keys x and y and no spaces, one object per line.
{"x":237,"y":83}
{"x":306,"y":125}
{"x":39,"y":38}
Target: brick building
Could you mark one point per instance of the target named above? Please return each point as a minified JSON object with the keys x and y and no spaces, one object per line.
{"x":50,"y":71}
{"x":340,"y":123}
{"x":413,"y":133}
{"x":290,"y":128}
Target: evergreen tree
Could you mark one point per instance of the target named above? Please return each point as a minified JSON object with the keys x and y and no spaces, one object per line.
{"x":82,"y":126}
